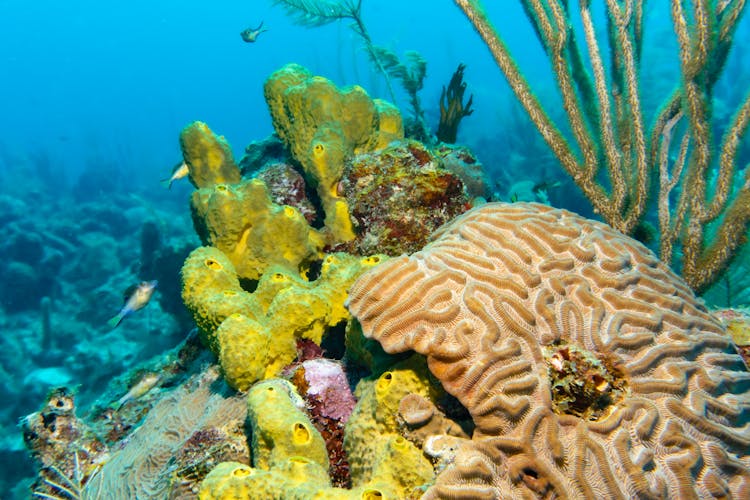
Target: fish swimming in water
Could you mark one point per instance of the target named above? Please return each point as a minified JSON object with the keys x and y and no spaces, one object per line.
{"x":250,"y":34}
{"x":178,"y":172}
{"x":145,"y":384}
{"x":136,"y":297}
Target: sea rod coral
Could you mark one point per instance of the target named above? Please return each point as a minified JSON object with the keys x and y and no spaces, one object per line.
{"x":706,"y":218}
{"x":589,"y":368}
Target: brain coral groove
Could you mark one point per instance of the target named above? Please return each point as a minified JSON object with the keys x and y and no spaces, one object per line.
{"x":504,"y":284}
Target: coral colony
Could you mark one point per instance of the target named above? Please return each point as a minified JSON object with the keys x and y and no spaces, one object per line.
{"x":386,"y":332}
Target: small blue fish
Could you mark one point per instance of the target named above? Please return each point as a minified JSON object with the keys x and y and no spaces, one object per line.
{"x":136,"y":298}
{"x":251,"y":34}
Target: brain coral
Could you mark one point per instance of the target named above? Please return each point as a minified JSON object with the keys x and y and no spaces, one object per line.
{"x":589,"y":368}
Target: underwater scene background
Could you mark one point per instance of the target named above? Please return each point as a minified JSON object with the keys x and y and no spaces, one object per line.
{"x":99,"y":108}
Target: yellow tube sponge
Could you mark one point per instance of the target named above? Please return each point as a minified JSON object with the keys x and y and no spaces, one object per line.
{"x":280,"y":430}
{"x":209,"y":158}
{"x":254,"y":334}
{"x":322,"y":125}
{"x":391,"y":126}
{"x":212,"y":292}
{"x":254,"y":232}
{"x":243,"y":350}
{"x":401,"y":466}
{"x":227,"y":481}
{"x":372,"y":434}
{"x":297,"y":478}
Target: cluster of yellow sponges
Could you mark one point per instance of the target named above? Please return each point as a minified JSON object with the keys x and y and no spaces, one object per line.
{"x":249,"y":237}
{"x":290,"y":461}
{"x":255,"y":233}
{"x":254,"y":243}
{"x":322,"y":125}
{"x":254,"y":334}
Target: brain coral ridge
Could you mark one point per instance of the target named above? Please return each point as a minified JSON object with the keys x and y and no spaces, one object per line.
{"x":504,"y":298}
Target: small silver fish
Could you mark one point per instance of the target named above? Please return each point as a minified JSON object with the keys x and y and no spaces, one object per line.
{"x":136,"y":297}
{"x":251,"y":34}
{"x":145,"y":384}
{"x":178,"y":172}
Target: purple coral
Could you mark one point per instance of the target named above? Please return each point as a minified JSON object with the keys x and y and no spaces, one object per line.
{"x":330,"y":402}
{"x":327,"y":382}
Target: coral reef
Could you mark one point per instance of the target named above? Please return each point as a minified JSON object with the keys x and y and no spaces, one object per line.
{"x":503,"y":299}
{"x":577,"y":363}
{"x":258,"y":232}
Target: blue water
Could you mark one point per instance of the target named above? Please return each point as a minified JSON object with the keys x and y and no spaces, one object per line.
{"x":92,"y":98}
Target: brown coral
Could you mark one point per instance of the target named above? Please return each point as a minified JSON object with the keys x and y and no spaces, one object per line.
{"x":502,"y":284}
{"x":419,"y":418}
{"x":68,"y":452}
{"x":398,"y":197}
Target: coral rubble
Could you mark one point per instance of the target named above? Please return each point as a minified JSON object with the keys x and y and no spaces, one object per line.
{"x":65,"y":446}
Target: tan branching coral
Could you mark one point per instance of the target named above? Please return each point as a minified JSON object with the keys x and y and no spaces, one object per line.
{"x":503,"y":298}
{"x":610,"y":136}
